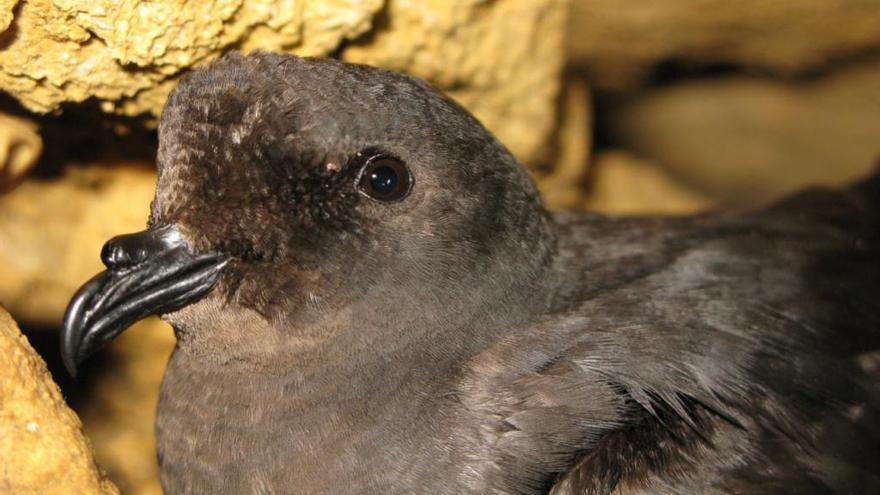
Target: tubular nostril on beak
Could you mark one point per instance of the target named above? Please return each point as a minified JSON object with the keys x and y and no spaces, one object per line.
{"x":113,"y":255}
{"x":128,"y":250}
{"x":123,"y":251}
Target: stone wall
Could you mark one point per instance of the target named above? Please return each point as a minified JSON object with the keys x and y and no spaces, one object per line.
{"x":42,"y":447}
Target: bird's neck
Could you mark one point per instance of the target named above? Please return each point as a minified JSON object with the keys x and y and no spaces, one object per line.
{"x":338,"y":388}
{"x":426,"y":327}
{"x":335,"y":398}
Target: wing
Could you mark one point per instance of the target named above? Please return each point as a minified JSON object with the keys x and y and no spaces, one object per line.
{"x":716,"y":354}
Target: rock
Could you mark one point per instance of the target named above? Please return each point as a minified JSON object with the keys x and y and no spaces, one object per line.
{"x":51,"y":233}
{"x":119,"y":415}
{"x":42,"y":448}
{"x":562,"y":183}
{"x":621,"y":45}
{"x":500,"y":59}
{"x":622,"y":184}
{"x":20,"y":147}
{"x":748,"y":140}
{"x":119,"y":52}
{"x":6,"y":7}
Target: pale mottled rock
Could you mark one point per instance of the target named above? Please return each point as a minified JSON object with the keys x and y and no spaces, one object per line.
{"x":20,"y":147}
{"x":500,"y":59}
{"x":6,"y":7}
{"x":562,"y":183}
{"x":748,"y":140}
{"x":623,"y":184}
{"x":621,"y":42}
{"x":42,"y":448}
{"x":51,"y":233}
{"x":122,"y":53}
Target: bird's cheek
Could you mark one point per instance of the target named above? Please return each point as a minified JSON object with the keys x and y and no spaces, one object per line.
{"x":214,"y":329}
{"x":194,"y":318}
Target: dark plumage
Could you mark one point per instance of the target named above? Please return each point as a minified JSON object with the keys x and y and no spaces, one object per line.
{"x":454,"y":337}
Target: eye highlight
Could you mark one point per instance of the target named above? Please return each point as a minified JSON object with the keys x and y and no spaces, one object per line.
{"x":385,"y":178}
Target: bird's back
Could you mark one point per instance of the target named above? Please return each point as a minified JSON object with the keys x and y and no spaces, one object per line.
{"x":747,"y":346}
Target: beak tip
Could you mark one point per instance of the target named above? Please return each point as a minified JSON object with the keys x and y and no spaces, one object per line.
{"x":69,"y":354}
{"x":71,"y":368}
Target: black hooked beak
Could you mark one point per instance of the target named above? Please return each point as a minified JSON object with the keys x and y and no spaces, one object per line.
{"x":148,"y":273}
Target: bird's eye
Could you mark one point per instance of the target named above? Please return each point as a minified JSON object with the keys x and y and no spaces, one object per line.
{"x":385,"y":178}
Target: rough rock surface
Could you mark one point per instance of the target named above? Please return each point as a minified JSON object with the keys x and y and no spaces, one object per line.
{"x":562,"y":181}
{"x":42,"y":448}
{"x":6,"y":7}
{"x":748,"y":140}
{"x":51,"y":233}
{"x":501,"y":58}
{"x":620,"y":45}
{"x":69,"y":50}
{"x":623,"y":184}
{"x":20,"y":147}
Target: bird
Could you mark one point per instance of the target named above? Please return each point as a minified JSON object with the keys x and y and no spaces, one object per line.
{"x":369,"y":296}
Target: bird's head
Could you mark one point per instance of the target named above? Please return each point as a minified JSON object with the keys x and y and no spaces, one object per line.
{"x":300,"y":191}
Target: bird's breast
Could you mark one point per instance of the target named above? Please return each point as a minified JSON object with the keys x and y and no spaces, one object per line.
{"x":222,"y":432}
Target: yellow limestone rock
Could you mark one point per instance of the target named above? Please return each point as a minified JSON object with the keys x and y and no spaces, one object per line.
{"x":20,"y":147}
{"x":623,"y":184}
{"x":42,"y":448}
{"x":500,"y":59}
{"x":6,"y":7}
{"x":749,"y":140}
{"x":562,"y":184}
{"x":51,"y":233}
{"x":620,"y":42}
{"x":59,"y":51}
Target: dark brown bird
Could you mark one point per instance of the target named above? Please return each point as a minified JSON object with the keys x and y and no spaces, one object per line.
{"x":369,"y":297}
